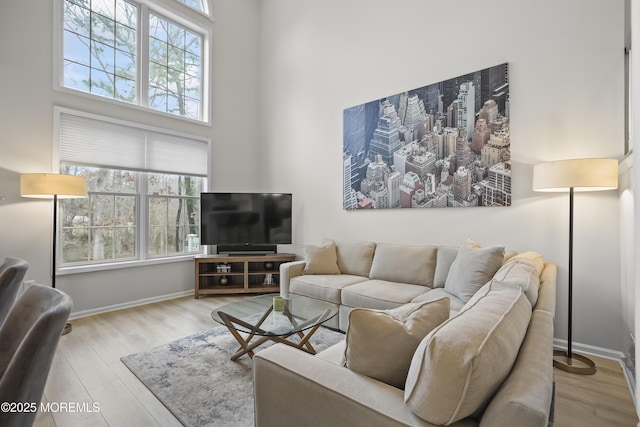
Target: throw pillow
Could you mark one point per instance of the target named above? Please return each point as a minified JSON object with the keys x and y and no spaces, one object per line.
{"x":473,"y":267}
{"x":413,"y":265}
{"x":522,"y":273}
{"x":354,"y":256}
{"x":381,"y":343}
{"x":460,"y":365}
{"x":320,"y":259}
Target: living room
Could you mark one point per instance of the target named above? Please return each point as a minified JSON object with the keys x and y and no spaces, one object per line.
{"x":282,"y":73}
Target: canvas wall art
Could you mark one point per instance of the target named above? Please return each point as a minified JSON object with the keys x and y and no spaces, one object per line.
{"x":442,"y":145}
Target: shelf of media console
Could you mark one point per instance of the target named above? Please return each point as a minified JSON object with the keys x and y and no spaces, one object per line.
{"x":238,"y":274}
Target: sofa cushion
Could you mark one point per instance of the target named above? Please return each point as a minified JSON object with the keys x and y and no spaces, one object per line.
{"x":473,"y":267}
{"x":404,"y":264}
{"x":320,"y":259}
{"x":458,"y":367}
{"x":380,"y":294}
{"x":534,"y":257}
{"x":445,"y":257}
{"x":528,"y":391}
{"x":381,"y":343}
{"x":325,"y":287}
{"x":521,"y":273}
{"x":437,"y":293}
{"x":354,"y":257}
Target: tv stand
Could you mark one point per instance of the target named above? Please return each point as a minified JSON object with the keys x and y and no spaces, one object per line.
{"x":228,"y":274}
{"x":247,"y":249}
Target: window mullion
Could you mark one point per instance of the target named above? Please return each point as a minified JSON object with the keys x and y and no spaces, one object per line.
{"x":142,"y":201}
{"x":143,"y":56}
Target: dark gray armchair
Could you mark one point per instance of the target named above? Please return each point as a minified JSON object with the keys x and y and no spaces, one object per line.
{"x":12,"y":272}
{"x":28,"y":341}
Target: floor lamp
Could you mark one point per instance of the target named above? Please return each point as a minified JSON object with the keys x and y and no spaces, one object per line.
{"x":574,"y":175}
{"x":56,"y":186}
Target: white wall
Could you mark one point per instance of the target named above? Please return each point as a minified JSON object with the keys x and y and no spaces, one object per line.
{"x":26,"y":143}
{"x":283,"y":72}
{"x":566,"y":74}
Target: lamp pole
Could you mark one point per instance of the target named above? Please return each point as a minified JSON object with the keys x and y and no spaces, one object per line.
{"x":569,"y":358}
{"x":55,"y":244}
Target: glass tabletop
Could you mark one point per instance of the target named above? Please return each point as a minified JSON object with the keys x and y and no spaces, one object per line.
{"x":256,"y":315}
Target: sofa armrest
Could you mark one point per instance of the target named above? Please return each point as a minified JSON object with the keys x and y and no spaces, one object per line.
{"x":289,"y":270}
{"x":294,"y":388}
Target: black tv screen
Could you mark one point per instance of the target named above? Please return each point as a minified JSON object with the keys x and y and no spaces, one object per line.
{"x":245,"y":218}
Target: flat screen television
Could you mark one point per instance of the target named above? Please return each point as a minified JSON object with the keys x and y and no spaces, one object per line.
{"x":245,"y":222}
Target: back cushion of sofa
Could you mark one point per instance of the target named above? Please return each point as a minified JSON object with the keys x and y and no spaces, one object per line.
{"x":414,"y":265}
{"x":521,"y":273}
{"x":458,"y":367}
{"x":354,"y":256}
{"x":446,"y":256}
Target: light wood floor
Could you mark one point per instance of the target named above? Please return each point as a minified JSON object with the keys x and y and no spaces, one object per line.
{"x":87,"y":369}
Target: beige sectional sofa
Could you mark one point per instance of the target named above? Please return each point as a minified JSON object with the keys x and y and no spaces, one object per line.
{"x":487,"y":362}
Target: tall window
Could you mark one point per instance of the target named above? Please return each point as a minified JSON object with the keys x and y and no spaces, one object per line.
{"x":174,"y":68}
{"x":143,"y":190}
{"x":196,"y":4}
{"x":134,"y":53}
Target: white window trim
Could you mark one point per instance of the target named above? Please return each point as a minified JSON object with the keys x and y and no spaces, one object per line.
{"x":172,"y":9}
{"x":142,"y":216}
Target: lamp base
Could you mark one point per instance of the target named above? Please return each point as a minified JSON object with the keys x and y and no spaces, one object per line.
{"x":67,"y":329}
{"x":563,"y":362}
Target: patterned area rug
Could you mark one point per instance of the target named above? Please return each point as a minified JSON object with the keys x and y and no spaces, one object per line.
{"x":196,"y":380}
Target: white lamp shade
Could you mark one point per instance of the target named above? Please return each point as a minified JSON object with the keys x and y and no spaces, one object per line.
{"x":579,"y":174}
{"x":46,"y":185}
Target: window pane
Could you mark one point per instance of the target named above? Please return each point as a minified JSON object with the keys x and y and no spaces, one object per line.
{"x":158,"y":51}
{"x":104,"y":7}
{"x":193,"y":66}
{"x":125,"y":89}
{"x":76,"y":76}
{"x":158,"y":75}
{"x":176,"y":59}
{"x":192,"y":43}
{"x":102,"y":210}
{"x":192,"y":108}
{"x":174,"y":212}
{"x":76,"y":18}
{"x":102,"y":83}
{"x":157,"y":211}
{"x":175,"y":35}
{"x":74,"y":215}
{"x":157,"y":240}
{"x":89,"y":40}
{"x":103,"y":57}
{"x":126,"y":39}
{"x":196,"y":4}
{"x":125,"y":65}
{"x":157,"y":28}
{"x":102,"y":226}
{"x":76,"y":48}
{"x":126,"y":13}
{"x":182,"y":64}
{"x":158,"y":99}
{"x":125,"y":242}
{"x":125,"y":210}
{"x":103,"y":29}
{"x":102,"y":243}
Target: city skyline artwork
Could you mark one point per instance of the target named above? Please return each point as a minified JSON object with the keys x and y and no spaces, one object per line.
{"x":446,"y":144}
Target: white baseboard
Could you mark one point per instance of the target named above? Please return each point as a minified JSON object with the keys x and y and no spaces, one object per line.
{"x":128,"y":304}
{"x":589,"y":349}
{"x":601,"y":352}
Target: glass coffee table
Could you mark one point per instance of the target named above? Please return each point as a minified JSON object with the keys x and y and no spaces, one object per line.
{"x":302,"y":316}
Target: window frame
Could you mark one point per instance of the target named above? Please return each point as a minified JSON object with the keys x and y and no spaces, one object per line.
{"x":142,"y":195}
{"x":176,"y":11}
